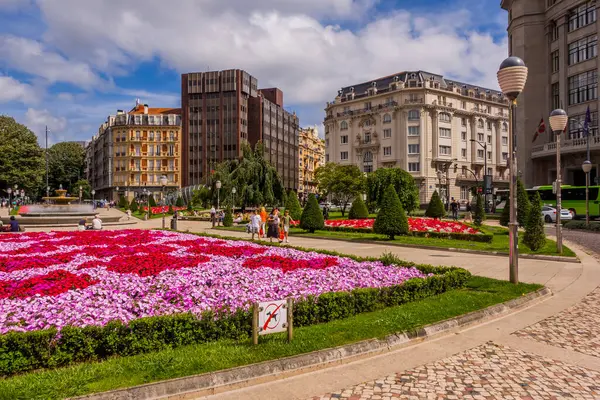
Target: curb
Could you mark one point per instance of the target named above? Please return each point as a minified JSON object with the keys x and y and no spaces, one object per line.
{"x":211,"y":383}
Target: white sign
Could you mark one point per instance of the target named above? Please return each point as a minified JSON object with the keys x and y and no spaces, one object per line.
{"x":272,"y":317}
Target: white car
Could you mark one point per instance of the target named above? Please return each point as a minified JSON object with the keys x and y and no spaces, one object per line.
{"x":549,"y":214}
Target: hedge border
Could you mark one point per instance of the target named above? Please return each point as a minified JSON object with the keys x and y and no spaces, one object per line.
{"x":22,"y":352}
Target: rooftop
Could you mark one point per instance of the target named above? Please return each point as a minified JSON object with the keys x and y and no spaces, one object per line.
{"x":139,"y":109}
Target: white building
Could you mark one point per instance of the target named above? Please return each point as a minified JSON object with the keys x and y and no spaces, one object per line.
{"x":437,"y":129}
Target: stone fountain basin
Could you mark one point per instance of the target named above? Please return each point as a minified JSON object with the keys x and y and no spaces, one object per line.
{"x":60,"y":221}
{"x":59,"y":214}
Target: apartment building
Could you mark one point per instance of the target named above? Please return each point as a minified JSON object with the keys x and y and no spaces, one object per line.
{"x":311,"y":156}
{"x":558,"y":40}
{"x":424,"y":124}
{"x":133,"y":150}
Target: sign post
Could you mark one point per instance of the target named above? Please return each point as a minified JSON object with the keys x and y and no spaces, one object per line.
{"x":272,"y":317}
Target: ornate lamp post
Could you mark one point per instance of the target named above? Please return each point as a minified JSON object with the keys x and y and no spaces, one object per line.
{"x":80,"y":193}
{"x":558,"y":123}
{"x":512,"y":77}
{"x":163,"y":182}
{"x":587,"y":168}
{"x":233,"y":192}
{"x":218,"y":186}
{"x":93,"y":198}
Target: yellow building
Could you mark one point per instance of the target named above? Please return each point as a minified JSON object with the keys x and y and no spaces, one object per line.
{"x":312,"y":155}
{"x":133,"y":150}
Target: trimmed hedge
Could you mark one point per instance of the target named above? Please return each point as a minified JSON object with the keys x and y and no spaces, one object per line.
{"x":581,"y":225}
{"x":25,"y":351}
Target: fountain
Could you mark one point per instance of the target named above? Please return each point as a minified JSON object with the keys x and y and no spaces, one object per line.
{"x":61,"y":197}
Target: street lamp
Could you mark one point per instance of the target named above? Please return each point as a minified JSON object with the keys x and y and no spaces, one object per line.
{"x":233,"y":192}
{"x":9,"y":191}
{"x":512,"y":77}
{"x":485,"y":174}
{"x":558,"y":123}
{"x":93,"y":198}
{"x":218,"y":186}
{"x":587,"y":168}
{"x":439,"y":176}
{"x":163,"y":182}
{"x":80,"y":193}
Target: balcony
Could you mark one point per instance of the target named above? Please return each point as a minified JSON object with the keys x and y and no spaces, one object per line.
{"x":414,"y":101}
{"x":566,"y":147}
{"x":443,"y":103}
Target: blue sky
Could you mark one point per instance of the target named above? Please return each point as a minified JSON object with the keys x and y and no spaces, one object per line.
{"x":70,"y":63}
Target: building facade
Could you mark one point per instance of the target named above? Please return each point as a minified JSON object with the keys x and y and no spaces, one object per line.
{"x":133,"y":150}
{"x":312,"y":156}
{"x":444,"y":133}
{"x":223,"y":109}
{"x":558,"y":40}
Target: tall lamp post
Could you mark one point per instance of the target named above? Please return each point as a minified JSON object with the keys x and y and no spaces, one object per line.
{"x":163,"y":183}
{"x":9,"y":191}
{"x":587,"y":168}
{"x":512,"y":76}
{"x":558,"y":123}
{"x":233,"y":192}
{"x":80,"y":193}
{"x":218,"y":186}
{"x":485,"y":182}
{"x":93,"y":198}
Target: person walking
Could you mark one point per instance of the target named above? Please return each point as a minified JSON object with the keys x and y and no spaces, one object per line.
{"x":273,"y":230}
{"x":287,"y":221}
{"x":454,"y":208}
{"x":213,"y":216}
{"x":469,"y":216}
{"x":263,"y":217}
{"x":255,"y":224}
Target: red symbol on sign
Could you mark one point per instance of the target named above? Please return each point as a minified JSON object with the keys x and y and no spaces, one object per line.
{"x":272,"y":312}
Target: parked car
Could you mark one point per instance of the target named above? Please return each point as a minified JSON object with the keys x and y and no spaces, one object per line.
{"x":549,"y":214}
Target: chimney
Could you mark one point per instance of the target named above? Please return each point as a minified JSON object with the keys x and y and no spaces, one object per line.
{"x":145,"y":108}
{"x":119,"y":112}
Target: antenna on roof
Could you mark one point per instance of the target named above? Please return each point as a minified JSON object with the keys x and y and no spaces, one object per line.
{"x":137,"y":102}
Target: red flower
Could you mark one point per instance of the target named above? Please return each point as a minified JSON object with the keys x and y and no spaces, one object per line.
{"x":287,"y":264}
{"x":20,"y":263}
{"x":152,"y":265}
{"x":51,"y":284}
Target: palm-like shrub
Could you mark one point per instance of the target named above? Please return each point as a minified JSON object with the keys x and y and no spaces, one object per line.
{"x":312,"y":217}
{"x":391,"y":220}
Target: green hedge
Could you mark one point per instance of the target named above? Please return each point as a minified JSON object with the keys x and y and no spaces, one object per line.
{"x":581,"y":225}
{"x":26,"y":351}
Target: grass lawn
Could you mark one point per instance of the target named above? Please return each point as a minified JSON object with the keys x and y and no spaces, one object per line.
{"x":499,"y":242}
{"x":189,"y":360}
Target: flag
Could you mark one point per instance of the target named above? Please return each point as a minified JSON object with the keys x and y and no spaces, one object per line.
{"x":587,"y":122}
{"x":540,"y":129}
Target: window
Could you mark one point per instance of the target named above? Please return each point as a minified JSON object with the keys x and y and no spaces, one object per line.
{"x":413,"y":131}
{"x":368,"y":122}
{"x":553,"y":32}
{"x":505,"y":156}
{"x":463,"y":153}
{"x":326,"y":142}
{"x":387,"y":133}
{"x":576,"y":124}
{"x":344,"y":139}
{"x":367,"y":137}
{"x":489,"y":156}
{"x":445,"y":132}
{"x":463,"y":136}
{"x":445,"y":117}
{"x":445,"y":150}
{"x":504,"y":141}
{"x":480,"y":137}
{"x":489,"y":139}
{"x":343,"y":126}
{"x":414,"y":167}
{"x":464,"y":105}
{"x":414,"y":114}
{"x":368,"y":162}
{"x":387,"y":118}
{"x":583,"y":87}
{"x":387,"y":151}
{"x":413,"y":149}
{"x":464,"y":193}
{"x":344,"y":155}
{"x":583,"y":49}
{"x":480,"y":153}
{"x":490,"y":171}
{"x":555,"y":95}
{"x":368,"y":105}
{"x":555,"y":61}
{"x":583,"y":15}
{"x":463,"y":121}
{"x":489,"y":125}
{"x":480,"y":123}
{"x":504,"y":127}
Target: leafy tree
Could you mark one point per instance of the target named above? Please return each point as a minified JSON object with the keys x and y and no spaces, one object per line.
{"x":21,"y":158}
{"x":134,"y":207}
{"x":86,"y":188}
{"x":65,"y":165}
{"x":358,"y":209}
{"x":152,"y":200}
{"x":123,"y":203}
{"x":505,"y":216}
{"x":391,"y":219}
{"x":228,"y":219}
{"x":202,"y":197}
{"x":403,"y":182}
{"x":535,"y":237}
{"x":479,"y":211}
{"x":170,"y":211}
{"x":293,"y":206}
{"x":341,"y":182}
{"x":523,"y":204}
{"x":179,"y":202}
{"x":190,"y":208}
{"x":435,"y":209}
{"x":312,"y":217}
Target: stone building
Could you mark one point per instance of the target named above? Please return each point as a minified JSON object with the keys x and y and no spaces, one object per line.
{"x":311,"y":156}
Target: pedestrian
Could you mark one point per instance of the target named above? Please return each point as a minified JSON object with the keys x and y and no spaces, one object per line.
{"x":14,"y":224}
{"x":273,"y":230}
{"x":128,"y":215}
{"x":454,"y":208}
{"x":213,"y":216}
{"x":81,"y":225}
{"x":255,"y":223}
{"x":469,"y":216}
{"x":263,"y":217}
{"x":97,"y":223}
{"x":325,"y":213}
{"x":287,"y":221}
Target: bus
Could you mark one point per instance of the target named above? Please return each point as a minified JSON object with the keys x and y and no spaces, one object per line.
{"x":573,"y":199}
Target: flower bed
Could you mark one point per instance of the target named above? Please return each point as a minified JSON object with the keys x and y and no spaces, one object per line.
{"x":162,"y":209}
{"x":144,"y":290}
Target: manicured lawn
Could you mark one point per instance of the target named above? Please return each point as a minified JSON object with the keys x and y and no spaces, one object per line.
{"x":499,"y":243}
{"x":184,"y":361}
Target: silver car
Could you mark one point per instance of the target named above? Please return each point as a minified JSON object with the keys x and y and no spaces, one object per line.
{"x":549,"y":214}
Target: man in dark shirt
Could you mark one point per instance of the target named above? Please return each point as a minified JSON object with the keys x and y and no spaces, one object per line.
{"x":454,"y":208}
{"x":14,"y":224}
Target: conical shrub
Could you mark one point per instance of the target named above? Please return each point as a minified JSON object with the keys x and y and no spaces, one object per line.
{"x":358,"y":209}
{"x":523,"y":204}
{"x":312,"y":217}
{"x":535,"y":237}
{"x":391,"y":220}
{"x":435,"y":209}
{"x":479,"y":211}
{"x":293,"y":206}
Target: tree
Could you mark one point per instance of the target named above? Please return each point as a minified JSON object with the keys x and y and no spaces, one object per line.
{"x":170,"y":210}
{"x":535,"y":237}
{"x":21,"y":158}
{"x":228,"y":219}
{"x":293,"y":206}
{"x":86,"y":189}
{"x":403,"y":182}
{"x":341,"y":182}
{"x":179,"y":202}
{"x":312,"y":217}
{"x":505,"y":216}
{"x":391,"y":219}
{"x":358,"y":209}
{"x":202,"y":197}
{"x":523,"y":204}
{"x":151,"y":200}
{"x":66,"y":165}
{"x":123,"y":203}
{"x":134,"y":206}
{"x":479,"y":210}
{"x":435,"y":208}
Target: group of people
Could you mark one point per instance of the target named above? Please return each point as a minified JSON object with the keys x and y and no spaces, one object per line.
{"x":455,"y":207}
{"x":12,"y":227}
{"x":96,"y":224}
{"x":271,"y":226}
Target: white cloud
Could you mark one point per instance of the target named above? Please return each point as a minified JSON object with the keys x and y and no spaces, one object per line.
{"x":38,"y":120}
{"x":13,"y":90}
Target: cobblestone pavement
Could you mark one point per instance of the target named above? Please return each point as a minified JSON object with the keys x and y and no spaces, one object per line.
{"x":589,"y":240}
{"x":577,"y":328}
{"x":489,"y":371}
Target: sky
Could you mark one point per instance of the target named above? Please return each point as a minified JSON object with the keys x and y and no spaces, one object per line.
{"x":68,"y":64}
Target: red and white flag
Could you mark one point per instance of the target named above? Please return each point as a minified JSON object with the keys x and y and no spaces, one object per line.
{"x":540,"y":129}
